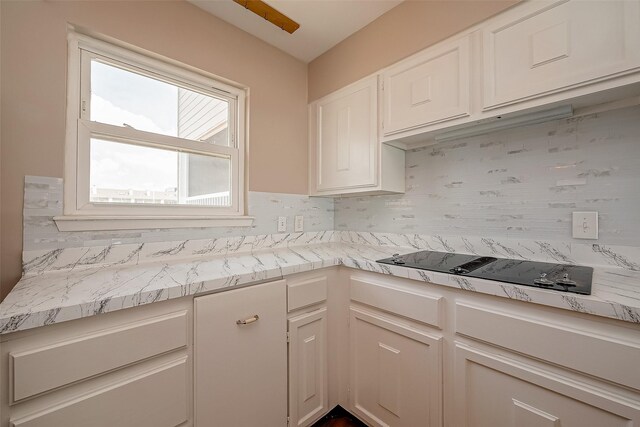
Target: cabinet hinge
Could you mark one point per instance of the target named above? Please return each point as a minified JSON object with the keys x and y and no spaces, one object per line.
{"x":382,"y":85}
{"x":288,"y":337}
{"x":288,"y":420}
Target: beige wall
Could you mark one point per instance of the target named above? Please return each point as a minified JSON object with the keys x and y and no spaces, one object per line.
{"x":404,"y":30}
{"x":33,"y":81}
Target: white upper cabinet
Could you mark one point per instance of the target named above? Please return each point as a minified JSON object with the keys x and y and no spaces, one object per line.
{"x":546,"y":47}
{"x":347,"y":137}
{"x":539,"y":60}
{"x":428,"y":88}
{"x":346,"y":155}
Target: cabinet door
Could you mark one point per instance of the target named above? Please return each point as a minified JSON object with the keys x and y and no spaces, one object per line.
{"x":492,"y":390}
{"x":429,"y":88}
{"x":308,"y":398}
{"x":396,"y":376}
{"x":549,"y":46}
{"x":347,"y":143}
{"x":241,"y":369}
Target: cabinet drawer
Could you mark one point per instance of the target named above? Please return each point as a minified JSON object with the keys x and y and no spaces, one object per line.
{"x":303,"y":293}
{"x":611,"y":358}
{"x":412,"y":304}
{"x":45,"y":368}
{"x":546,"y":47}
{"x":156,"y":398}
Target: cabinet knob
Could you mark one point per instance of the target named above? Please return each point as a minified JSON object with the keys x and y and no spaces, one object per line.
{"x":251,"y":319}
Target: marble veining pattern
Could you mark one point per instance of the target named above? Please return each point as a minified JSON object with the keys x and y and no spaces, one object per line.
{"x":626,"y":257}
{"x":43,"y":299}
{"x":80,"y":258}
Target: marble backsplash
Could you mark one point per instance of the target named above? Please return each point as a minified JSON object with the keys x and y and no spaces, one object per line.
{"x":517,"y":184}
{"x":43,"y":200}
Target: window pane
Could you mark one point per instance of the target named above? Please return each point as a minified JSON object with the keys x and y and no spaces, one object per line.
{"x":132,"y":174}
{"x":123,"y":98}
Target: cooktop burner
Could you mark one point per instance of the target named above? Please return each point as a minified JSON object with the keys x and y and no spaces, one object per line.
{"x":559,"y":277}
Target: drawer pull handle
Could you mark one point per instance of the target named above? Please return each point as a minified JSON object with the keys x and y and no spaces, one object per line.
{"x":251,"y":319}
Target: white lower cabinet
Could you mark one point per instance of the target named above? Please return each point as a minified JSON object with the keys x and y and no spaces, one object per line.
{"x":395,"y":372}
{"x":308,"y":391}
{"x":240,"y":354}
{"x":493,"y":390}
{"x":131,"y":368}
{"x":394,"y":352}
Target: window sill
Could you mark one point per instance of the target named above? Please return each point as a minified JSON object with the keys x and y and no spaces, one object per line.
{"x":96,"y":223}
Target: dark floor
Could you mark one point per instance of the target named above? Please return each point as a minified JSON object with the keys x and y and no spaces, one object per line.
{"x":339,"y":417}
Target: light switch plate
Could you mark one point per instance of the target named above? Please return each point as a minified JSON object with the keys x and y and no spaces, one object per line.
{"x":282,"y":224}
{"x":298,"y":224}
{"x":585,"y":225}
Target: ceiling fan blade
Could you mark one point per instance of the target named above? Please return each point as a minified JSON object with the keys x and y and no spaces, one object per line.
{"x":267,"y":12}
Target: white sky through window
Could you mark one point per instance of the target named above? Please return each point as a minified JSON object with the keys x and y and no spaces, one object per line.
{"x":120,"y":97}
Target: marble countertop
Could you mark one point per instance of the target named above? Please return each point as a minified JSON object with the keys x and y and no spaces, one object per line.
{"x":53,"y":297}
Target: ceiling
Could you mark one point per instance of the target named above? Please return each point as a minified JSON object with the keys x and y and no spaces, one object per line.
{"x":323,"y":23}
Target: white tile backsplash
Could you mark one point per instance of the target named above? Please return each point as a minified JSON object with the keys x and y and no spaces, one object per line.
{"x":43,"y":201}
{"x":519,"y":184}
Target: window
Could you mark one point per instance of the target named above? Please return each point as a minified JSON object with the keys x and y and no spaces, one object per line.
{"x":149,"y":140}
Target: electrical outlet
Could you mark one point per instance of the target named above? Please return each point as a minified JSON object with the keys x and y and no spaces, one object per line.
{"x":585,"y":225}
{"x":282,"y":224}
{"x":298,"y":224}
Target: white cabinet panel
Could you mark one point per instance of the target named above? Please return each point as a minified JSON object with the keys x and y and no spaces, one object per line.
{"x":395,"y":372}
{"x":492,"y":390}
{"x":545,"y":47}
{"x":430,"y":87}
{"x":47,"y":367}
{"x":411,"y":303}
{"x":347,"y":137}
{"x":306,"y":292}
{"x":345,"y":154}
{"x":241,"y":369}
{"x":308,"y":392}
{"x":157,"y":398}
{"x":561,"y":344}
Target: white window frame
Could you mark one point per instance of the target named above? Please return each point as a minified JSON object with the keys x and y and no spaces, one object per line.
{"x":79,"y":212}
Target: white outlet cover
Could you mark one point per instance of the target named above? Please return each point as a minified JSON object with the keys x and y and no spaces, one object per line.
{"x":282,"y":224}
{"x":298,"y":224}
{"x":585,"y":225}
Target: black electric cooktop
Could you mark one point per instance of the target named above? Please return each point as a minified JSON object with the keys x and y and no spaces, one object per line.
{"x":558,"y":277}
